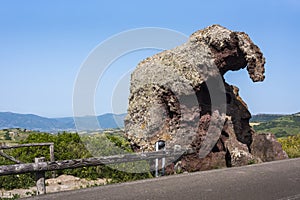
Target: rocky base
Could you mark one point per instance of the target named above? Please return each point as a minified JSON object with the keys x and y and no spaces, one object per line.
{"x":59,"y":184}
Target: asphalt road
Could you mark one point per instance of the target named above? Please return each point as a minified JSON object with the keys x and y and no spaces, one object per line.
{"x":275,"y":180}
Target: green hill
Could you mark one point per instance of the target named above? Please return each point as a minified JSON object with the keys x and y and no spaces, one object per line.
{"x":265,"y":117}
{"x":281,"y":126}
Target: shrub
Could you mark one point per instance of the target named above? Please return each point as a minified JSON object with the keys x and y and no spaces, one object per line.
{"x":291,"y":145}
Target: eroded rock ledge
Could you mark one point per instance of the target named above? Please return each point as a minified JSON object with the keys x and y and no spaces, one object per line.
{"x":180,"y":96}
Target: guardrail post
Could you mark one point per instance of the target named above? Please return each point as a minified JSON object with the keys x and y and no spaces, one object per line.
{"x":160,"y":144}
{"x":40,"y":179}
{"x":163,"y":164}
{"x":156,"y":160}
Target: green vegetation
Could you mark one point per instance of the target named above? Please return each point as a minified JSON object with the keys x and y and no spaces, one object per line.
{"x":291,"y":145}
{"x":284,"y":126}
{"x":265,"y":117}
{"x":72,"y":146}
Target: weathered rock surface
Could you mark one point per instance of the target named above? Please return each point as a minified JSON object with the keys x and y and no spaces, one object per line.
{"x":181,"y":97}
{"x":267,"y":148}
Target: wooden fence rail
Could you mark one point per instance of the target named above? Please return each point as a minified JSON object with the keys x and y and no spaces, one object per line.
{"x":4,"y":147}
{"x":86,"y":162}
{"x":26,"y":145}
{"x":40,"y":166}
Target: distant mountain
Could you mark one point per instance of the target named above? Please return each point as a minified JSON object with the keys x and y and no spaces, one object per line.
{"x":43,"y":124}
{"x":107,"y":121}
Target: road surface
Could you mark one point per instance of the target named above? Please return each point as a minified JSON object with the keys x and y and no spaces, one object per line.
{"x":275,"y":180}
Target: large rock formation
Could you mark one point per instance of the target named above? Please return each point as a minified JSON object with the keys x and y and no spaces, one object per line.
{"x":181,"y":97}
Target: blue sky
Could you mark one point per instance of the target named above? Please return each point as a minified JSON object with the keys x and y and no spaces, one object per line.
{"x":44,"y":43}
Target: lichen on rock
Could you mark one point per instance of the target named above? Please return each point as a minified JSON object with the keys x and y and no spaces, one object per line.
{"x":180,"y":96}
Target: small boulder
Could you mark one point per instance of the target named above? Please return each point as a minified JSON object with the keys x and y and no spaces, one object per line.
{"x":267,"y":148}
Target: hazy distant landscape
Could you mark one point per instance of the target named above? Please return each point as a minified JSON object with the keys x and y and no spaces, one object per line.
{"x":279,"y":124}
{"x":43,"y":124}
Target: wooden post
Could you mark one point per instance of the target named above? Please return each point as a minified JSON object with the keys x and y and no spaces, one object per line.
{"x":52,"y":159}
{"x":40,"y":179}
